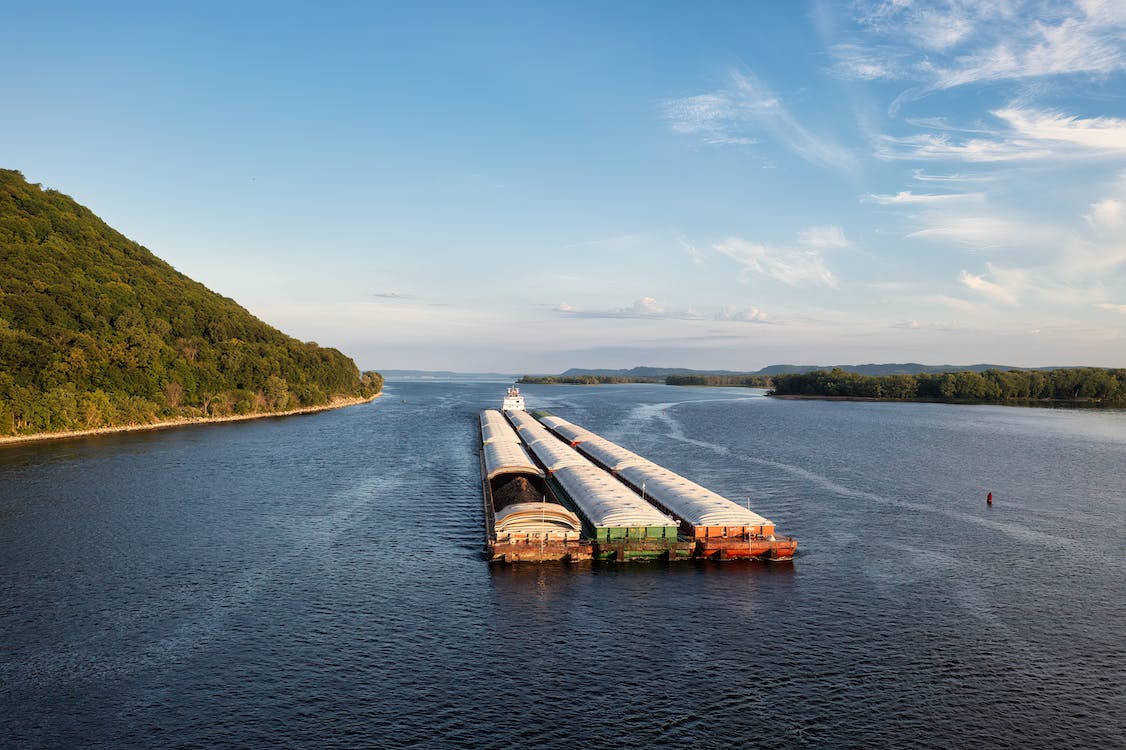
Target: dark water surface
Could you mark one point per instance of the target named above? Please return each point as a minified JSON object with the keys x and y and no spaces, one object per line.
{"x":316,"y":582}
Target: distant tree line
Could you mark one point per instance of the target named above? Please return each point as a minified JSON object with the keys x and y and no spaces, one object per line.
{"x":97,"y":331}
{"x":1088,"y":384}
{"x":585,"y":379}
{"x":744,"y":381}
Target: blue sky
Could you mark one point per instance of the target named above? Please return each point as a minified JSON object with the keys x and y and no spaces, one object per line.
{"x":532,"y":186}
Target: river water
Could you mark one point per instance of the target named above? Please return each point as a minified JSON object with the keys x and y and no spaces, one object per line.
{"x":316,"y":582}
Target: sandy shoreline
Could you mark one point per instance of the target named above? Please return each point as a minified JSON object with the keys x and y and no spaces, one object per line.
{"x":336,"y":403}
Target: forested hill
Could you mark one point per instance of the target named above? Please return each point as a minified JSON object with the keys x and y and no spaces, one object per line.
{"x":97,"y":331}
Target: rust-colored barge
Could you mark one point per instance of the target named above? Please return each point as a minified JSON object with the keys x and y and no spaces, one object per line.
{"x":720,"y":528}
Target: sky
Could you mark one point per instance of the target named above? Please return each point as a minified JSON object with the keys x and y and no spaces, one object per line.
{"x":526,"y":187}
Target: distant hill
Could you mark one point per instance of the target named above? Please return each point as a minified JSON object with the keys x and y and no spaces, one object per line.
{"x":445,"y":374}
{"x":97,"y":331}
{"x":909,"y":368}
{"x":655,"y":373}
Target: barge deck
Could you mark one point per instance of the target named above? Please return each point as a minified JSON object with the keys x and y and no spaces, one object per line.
{"x":554,"y":491}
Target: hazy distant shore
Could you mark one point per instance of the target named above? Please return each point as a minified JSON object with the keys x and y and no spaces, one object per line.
{"x":336,"y":403}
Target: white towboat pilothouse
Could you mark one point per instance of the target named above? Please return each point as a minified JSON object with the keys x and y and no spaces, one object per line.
{"x":513,"y":401}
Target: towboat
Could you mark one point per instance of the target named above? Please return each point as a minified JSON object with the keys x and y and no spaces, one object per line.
{"x":513,"y":401}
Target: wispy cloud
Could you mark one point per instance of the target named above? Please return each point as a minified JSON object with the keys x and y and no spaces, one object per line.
{"x":738,"y":113}
{"x":745,"y":315}
{"x":864,"y":63}
{"x":909,"y":198}
{"x":823,"y":237}
{"x":953,"y":43}
{"x":953,"y":178}
{"x":979,"y":231}
{"x":1085,"y":39}
{"x":689,"y":249}
{"x":1029,"y":135}
{"x":793,"y":267}
{"x":1112,"y":307}
{"x":646,"y":307}
{"x":1004,"y":288}
{"x":1096,"y":134}
{"x":941,"y":147}
{"x":715,"y":118}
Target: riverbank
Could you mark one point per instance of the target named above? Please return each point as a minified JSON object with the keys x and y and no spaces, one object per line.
{"x":336,"y":403}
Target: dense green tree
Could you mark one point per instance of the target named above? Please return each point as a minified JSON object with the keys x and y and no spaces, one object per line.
{"x":1089,"y":384}
{"x":95,"y":330}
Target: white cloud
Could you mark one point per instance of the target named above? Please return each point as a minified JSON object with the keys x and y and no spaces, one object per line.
{"x":940,"y":147}
{"x":1029,"y":135}
{"x":1112,"y":307}
{"x":1079,"y":44}
{"x":730,"y":115}
{"x":689,"y":249}
{"x":920,"y":175}
{"x":823,"y":237}
{"x":1108,"y":214}
{"x":1101,"y":134}
{"x":645,"y":307}
{"x":1009,"y":281}
{"x":906,"y":197}
{"x":746,"y":315}
{"x":715,"y":118}
{"x":979,"y":231}
{"x":789,"y":266}
{"x":953,"y":43}
{"x":859,"y":63}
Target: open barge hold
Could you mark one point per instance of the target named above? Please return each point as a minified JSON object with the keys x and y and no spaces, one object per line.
{"x":554,"y":491}
{"x":523,"y":519}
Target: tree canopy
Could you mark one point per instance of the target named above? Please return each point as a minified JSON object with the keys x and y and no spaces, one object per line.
{"x":1080,"y":384}
{"x":97,"y":331}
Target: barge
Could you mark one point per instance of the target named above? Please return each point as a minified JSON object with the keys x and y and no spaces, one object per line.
{"x":523,"y":519}
{"x":720,"y":528}
{"x":555,"y":491}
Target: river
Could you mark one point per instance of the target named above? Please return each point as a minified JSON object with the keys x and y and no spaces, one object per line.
{"x":317,"y":582}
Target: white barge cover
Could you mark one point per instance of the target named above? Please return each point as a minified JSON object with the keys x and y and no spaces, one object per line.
{"x":554,"y":454}
{"x":508,"y":458}
{"x":697,"y":505}
{"x":605,"y":501}
{"x":611,"y":455}
{"x":572,"y":433}
{"x":682,"y":497}
{"x":502,"y":449}
{"x":538,"y":518}
{"x":495,"y":428}
{"x":527,"y":427}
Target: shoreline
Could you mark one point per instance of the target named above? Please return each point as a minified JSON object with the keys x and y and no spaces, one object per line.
{"x":1030,"y":402}
{"x":36,"y":437}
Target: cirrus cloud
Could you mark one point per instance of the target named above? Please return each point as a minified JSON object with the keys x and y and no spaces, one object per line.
{"x":793,"y":267}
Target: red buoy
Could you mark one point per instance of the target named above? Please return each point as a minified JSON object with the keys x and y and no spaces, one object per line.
{"x":989,"y":499}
